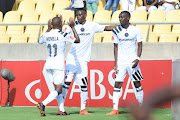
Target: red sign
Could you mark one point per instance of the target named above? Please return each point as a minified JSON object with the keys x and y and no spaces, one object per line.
{"x":29,"y":86}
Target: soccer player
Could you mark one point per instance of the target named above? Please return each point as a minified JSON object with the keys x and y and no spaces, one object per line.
{"x":126,"y":58}
{"x":79,"y":56}
{"x":55,"y":41}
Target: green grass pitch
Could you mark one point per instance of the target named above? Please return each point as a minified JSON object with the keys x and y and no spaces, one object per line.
{"x":32,"y":113}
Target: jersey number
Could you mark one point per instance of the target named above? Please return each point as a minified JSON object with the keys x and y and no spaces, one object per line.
{"x":54,"y":46}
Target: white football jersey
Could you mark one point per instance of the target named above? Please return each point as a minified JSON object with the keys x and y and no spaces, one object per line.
{"x":86,"y":33}
{"x":126,"y":40}
{"x":56,"y":41}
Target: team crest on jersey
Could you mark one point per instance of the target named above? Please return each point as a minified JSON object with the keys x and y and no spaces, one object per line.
{"x":82,"y":29}
{"x":126,"y":34}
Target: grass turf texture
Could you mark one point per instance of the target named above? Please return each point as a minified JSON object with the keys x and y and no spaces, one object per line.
{"x":32,"y":113}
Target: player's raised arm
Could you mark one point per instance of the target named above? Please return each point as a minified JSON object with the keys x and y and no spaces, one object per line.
{"x":71,"y":24}
{"x":49,"y":25}
{"x":109,"y":28}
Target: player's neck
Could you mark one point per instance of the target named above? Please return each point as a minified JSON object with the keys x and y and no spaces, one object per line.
{"x":83,"y":22}
{"x":125,"y":25}
{"x":57,"y":28}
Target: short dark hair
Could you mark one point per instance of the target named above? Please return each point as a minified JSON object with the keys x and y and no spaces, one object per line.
{"x":83,"y":9}
{"x":56,"y":22}
{"x":127,"y":13}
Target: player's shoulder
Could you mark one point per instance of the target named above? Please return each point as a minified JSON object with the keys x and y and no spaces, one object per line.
{"x":116,"y":30}
{"x":135,"y":29}
{"x":63,"y":33}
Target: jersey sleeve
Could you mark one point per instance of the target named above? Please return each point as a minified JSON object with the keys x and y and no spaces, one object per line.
{"x":139,"y":36}
{"x":114,"y":38}
{"x":69,"y":30}
{"x":98,"y":27}
{"x":68,"y":38}
{"x":42,"y":39}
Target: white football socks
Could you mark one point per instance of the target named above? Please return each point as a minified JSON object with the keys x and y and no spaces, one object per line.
{"x":60,"y":102}
{"x":50,"y":97}
{"x":65,"y":91}
{"x":140,"y":95}
{"x":84,"y":97}
{"x":116,"y":96}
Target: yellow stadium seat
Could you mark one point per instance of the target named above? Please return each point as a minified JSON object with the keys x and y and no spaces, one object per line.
{"x":33,"y":39}
{"x":98,"y":37}
{"x":162,"y":28}
{"x":144,"y":28}
{"x":46,"y":15}
{"x":157,"y":16}
{"x":1,"y":16}
{"x":173,"y":16}
{"x":43,"y":5}
{"x":168,"y":38}
{"x":18,"y":38}
{"x":144,"y":35}
{"x":30,"y":17}
{"x":61,"y":5}
{"x":107,"y":37}
{"x":89,"y":16}
{"x":115,"y":16}
{"x":102,"y":16}
{"x":66,"y":14}
{"x":12,"y":17}
{"x":139,"y":3}
{"x":4,"y":38}
{"x":26,"y":5}
{"x":139,"y":16}
{"x":101,"y":5}
{"x":153,"y":37}
{"x":32,"y":30}
{"x":178,"y":38}
{"x":15,"y":29}
{"x":2,"y":29}
{"x":176,"y":28}
{"x":35,"y":1}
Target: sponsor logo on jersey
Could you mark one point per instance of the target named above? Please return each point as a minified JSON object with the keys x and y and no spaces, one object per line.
{"x":84,"y":34}
{"x":126,"y":34}
{"x":82,"y":29}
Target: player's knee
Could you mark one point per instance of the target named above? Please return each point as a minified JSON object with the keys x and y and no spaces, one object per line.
{"x":59,"y":91}
{"x":118,"y":84}
{"x":68,"y":83}
{"x":137,"y":84}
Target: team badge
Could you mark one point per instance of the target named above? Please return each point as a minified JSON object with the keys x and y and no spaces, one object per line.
{"x":126,"y":34}
{"x":82,"y":29}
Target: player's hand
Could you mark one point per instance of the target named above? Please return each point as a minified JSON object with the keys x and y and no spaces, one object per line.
{"x":147,"y":7}
{"x":141,"y":113}
{"x":115,"y":68}
{"x":135,"y":63}
{"x":49,"y":25}
{"x":63,"y":22}
{"x":71,"y":22}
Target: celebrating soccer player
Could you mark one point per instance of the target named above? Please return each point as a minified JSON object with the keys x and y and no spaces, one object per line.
{"x":55,"y":41}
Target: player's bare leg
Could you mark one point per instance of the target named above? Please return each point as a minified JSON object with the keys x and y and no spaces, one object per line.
{"x":139,"y":92}
{"x":84,"y":97}
{"x":116,"y":96}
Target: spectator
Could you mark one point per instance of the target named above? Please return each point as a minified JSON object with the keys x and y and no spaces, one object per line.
{"x":77,"y":4}
{"x":167,"y":5}
{"x":92,"y":6}
{"x":109,"y":4}
{"x":149,"y":5}
{"x":128,"y":5}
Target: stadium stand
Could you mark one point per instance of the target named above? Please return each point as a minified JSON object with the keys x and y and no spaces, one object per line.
{"x":98,"y":38}
{"x":139,"y":16}
{"x":115,"y":16}
{"x":102,"y":16}
{"x":107,"y":37}
{"x":18,"y":38}
{"x":153,"y":37}
{"x":26,"y":5}
{"x":61,"y":5}
{"x":43,"y":5}
{"x":4,"y":38}
{"x":168,"y":37}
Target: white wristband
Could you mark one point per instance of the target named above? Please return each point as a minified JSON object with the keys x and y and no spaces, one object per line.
{"x":138,"y":58}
